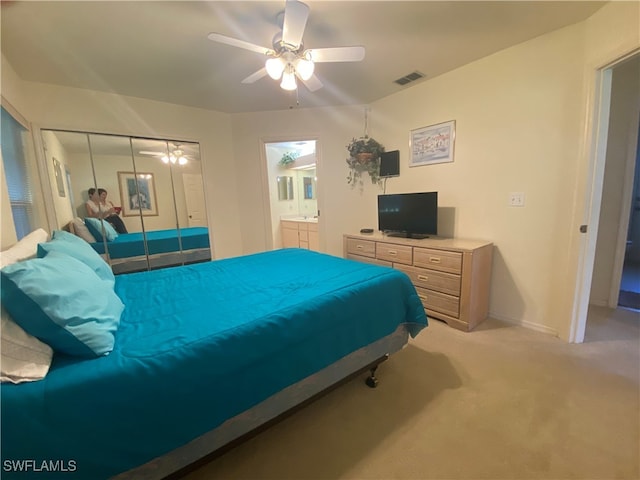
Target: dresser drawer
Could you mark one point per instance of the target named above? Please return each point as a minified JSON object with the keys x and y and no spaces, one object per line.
{"x":443,"y":261}
{"x":432,"y":279}
{"x":365,"y":248}
{"x":440,"y":302}
{"x":371,"y":260}
{"x":394,"y":253}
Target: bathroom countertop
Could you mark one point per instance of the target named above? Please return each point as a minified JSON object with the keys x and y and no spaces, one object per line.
{"x":300,"y":219}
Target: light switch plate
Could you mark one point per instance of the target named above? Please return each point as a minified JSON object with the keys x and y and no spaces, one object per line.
{"x":516,"y":199}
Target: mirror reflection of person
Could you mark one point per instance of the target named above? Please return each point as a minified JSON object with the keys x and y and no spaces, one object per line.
{"x":99,"y":207}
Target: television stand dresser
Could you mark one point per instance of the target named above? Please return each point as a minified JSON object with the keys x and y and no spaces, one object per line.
{"x":451,"y":275}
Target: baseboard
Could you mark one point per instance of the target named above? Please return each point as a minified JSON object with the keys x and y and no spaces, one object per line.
{"x":526,"y":324}
{"x":599,"y":303}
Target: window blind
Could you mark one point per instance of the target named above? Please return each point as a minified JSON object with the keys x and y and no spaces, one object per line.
{"x":13,"y":138}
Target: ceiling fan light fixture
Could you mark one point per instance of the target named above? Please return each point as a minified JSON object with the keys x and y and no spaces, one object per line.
{"x":288,"y":79}
{"x":304,"y":68}
{"x":275,"y":67}
{"x":182,"y":161}
{"x":164,"y":159}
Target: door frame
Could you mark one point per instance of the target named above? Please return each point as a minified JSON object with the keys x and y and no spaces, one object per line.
{"x":596,"y":128}
{"x":266,"y":199}
{"x":625,"y":212}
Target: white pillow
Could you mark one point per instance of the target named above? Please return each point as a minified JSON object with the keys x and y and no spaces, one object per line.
{"x":81,"y":230}
{"x":24,"y":358}
{"x":26,"y":248}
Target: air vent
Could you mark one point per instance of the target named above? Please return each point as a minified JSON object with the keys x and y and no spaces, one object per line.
{"x":412,"y":77}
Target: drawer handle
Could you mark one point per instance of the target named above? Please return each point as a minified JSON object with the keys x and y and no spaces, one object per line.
{"x":434,"y":259}
{"x":392,"y":252}
{"x":424,"y":278}
{"x":360,"y":247}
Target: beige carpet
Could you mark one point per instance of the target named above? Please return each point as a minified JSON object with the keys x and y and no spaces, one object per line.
{"x":502,"y":402}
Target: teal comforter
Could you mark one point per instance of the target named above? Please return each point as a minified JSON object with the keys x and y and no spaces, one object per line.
{"x":197,"y":345}
{"x":158,"y":241}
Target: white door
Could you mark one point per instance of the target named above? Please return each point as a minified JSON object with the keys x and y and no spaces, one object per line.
{"x":194,"y":198}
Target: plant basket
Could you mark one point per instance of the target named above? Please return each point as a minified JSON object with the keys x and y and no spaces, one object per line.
{"x":364,"y":156}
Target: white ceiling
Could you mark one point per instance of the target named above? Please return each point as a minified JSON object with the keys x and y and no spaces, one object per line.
{"x":159,"y":49}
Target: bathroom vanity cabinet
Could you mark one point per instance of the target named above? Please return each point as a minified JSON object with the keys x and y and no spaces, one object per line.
{"x":300,"y":233}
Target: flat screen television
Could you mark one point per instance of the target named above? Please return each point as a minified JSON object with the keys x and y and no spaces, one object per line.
{"x":390,"y":164}
{"x":411,"y":215}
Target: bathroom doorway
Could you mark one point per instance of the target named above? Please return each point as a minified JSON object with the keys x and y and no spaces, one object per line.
{"x":630,"y":284}
{"x":291,"y":171}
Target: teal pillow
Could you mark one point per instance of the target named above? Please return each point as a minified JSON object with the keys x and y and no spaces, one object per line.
{"x":77,"y":248}
{"x":93,"y":224}
{"x":61,"y":301}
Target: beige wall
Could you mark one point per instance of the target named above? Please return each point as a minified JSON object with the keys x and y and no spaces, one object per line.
{"x":521,"y":119}
{"x":61,"y":205}
{"x":522,"y":124}
{"x":340,"y":207}
{"x":50,"y":106}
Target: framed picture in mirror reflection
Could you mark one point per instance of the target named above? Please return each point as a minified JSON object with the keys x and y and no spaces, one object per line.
{"x":137,"y":194}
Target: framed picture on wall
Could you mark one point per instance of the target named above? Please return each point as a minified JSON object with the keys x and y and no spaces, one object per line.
{"x":57,"y":170}
{"x":432,"y":144}
{"x":137,"y":194}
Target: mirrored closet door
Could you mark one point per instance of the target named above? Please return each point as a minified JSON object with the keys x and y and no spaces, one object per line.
{"x":139,"y":202}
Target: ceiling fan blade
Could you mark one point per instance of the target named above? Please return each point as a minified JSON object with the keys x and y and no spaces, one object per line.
{"x":143,"y":152}
{"x":295,"y":20}
{"x":255,"y":76}
{"x":234,"y":42}
{"x":336,"y":54}
{"x":313,"y":83}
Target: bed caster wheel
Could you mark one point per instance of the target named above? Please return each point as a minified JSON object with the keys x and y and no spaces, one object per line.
{"x":371,"y":382}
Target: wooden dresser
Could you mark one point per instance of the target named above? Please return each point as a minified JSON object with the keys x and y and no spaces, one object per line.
{"x":451,"y":275}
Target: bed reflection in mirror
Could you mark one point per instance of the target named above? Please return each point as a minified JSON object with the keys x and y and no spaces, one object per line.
{"x":150,"y":193}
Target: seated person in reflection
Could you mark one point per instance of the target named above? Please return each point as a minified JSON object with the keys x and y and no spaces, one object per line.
{"x":99,"y":207}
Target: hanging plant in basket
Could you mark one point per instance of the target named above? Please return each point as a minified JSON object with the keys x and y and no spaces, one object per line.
{"x":364,"y":156}
{"x":288,"y":158}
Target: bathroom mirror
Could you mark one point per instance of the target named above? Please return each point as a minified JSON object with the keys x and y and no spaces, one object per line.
{"x":308,"y":187}
{"x":152,"y":197}
{"x":285,"y":187}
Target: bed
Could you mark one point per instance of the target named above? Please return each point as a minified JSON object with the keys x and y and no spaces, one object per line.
{"x":204,"y":354}
{"x":126,"y":252}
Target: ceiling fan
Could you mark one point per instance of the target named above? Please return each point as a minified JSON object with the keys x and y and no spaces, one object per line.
{"x":288,"y":59}
{"x":172,"y":155}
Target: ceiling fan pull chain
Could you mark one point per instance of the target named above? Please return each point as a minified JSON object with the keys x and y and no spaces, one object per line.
{"x":366,"y":121}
